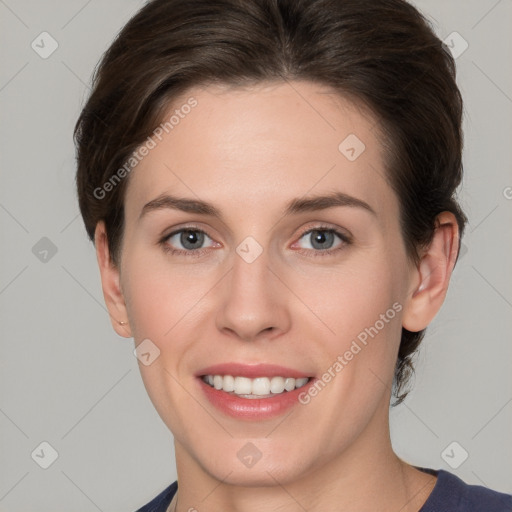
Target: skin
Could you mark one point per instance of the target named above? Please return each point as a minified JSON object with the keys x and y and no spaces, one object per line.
{"x":249,"y":151}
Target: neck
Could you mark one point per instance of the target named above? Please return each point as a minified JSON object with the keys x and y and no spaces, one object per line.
{"x":367,"y":476}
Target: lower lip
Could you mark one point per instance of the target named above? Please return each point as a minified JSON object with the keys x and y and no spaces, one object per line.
{"x":253,"y":408}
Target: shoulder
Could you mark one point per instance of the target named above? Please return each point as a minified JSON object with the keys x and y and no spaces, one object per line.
{"x":162,"y":501}
{"x":451,"y":494}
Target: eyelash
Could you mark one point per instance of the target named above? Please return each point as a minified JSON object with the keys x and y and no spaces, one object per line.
{"x":196,"y":253}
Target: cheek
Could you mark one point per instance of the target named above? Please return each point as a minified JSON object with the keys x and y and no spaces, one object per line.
{"x":157,"y":293}
{"x":163,"y":302}
{"x":151,"y":304}
{"x":360,"y":310}
{"x":167,"y":304}
{"x":352,"y":300}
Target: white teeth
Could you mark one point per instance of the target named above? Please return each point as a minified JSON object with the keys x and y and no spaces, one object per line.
{"x":243,"y":386}
{"x":217,"y":382}
{"x":289,"y":384}
{"x":228,"y":383}
{"x":300,"y":382}
{"x":252,"y":388}
{"x":277,"y":385}
{"x":261,"y":386}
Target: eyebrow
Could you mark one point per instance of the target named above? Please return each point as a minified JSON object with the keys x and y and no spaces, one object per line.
{"x":298,"y":205}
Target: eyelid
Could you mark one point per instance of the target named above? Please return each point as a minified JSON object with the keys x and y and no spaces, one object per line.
{"x":346,"y":240}
{"x":344,"y":234}
{"x":345,"y":237}
{"x":189,"y":227}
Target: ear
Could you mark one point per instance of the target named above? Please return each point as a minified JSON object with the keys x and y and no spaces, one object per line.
{"x":432,"y":275}
{"x":110,"y":283}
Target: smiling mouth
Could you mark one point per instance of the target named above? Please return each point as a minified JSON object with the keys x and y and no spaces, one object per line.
{"x":260,"y":387}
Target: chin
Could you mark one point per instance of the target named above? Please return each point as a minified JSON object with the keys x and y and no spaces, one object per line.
{"x":262,"y":474}
{"x":255,"y":463}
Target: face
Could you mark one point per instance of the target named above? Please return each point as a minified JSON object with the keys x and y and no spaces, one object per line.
{"x":266,"y":286}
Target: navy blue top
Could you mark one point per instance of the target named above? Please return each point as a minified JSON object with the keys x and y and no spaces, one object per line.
{"x":450,"y":494}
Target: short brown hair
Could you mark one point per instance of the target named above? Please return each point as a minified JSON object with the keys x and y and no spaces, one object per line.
{"x":383,"y":53}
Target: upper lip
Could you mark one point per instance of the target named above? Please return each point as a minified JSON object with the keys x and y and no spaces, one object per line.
{"x":251,"y":370}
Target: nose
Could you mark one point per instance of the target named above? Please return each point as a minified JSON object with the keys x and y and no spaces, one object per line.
{"x":254,"y":301}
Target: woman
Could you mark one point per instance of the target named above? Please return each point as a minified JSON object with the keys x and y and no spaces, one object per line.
{"x":270,"y":187}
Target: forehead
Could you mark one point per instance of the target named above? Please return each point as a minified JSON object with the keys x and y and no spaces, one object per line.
{"x":253,"y":143}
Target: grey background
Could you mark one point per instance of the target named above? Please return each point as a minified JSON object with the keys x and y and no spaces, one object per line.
{"x":66,"y":378}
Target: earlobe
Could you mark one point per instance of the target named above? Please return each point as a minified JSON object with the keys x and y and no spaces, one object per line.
{"x":110,"y":283}
{"x":433,"y":274}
